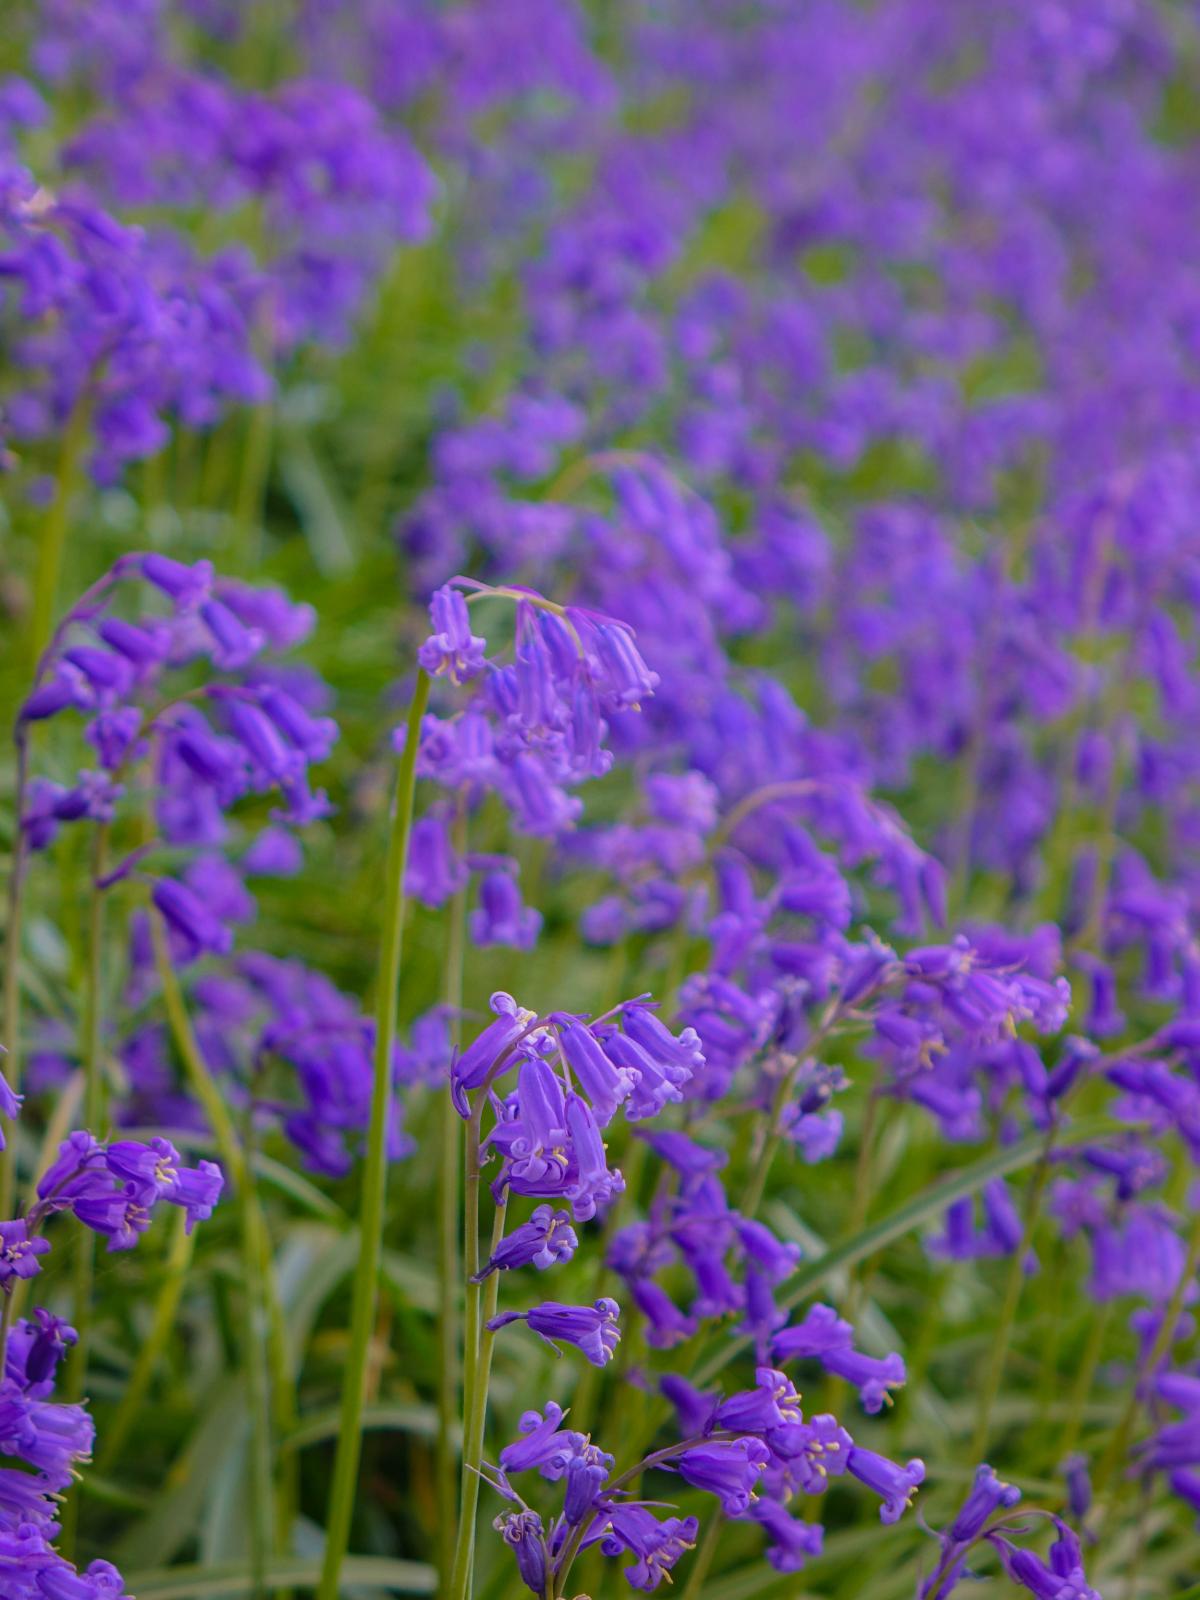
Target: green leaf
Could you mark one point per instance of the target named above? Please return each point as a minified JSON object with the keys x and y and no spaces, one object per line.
{"x":229,"y":1581}
{"x":298,"y":1188}
{"x":398,"y":1418}
{"x":176,"y":1512}
{"x":318,"y":505}
{"x":924,"y":1207}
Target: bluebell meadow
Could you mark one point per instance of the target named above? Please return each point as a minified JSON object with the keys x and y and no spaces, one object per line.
{"x":602,"y":830}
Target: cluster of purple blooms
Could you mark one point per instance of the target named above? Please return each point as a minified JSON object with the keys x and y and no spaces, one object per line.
{"x":572,"y":1078}
{"x":111,"y":1189}
{"x":138,"y":326}
{"x":193,"y":722}
{"x":530,"y":730}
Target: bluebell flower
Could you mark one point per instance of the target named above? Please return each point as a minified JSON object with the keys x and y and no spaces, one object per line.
{"x":543,"y":1445}
{"x":452,"y":651}
{"x":522,"y":1533}
{"x":502,"y":918}
{"x":630,"y":1528}
{"x":1062,"y":1578}
{"x":545,"y":1239}
{"x":19,"y":1251}
{"x":793,"y":1542}
{"x":593,"y":1330}
{"x":895,"y":1485}
{"x":773,"y":1403}
{"x":728,"y":1469}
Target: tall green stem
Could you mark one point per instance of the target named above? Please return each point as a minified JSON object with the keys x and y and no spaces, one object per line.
{"x":251,"y":1230}
{"x":247,"y":513}
{"x":771,"y":1129}
{"x":450,"y":1134}
{"x":1089,"y":1363}
{"x":12,"y":975}
{"x":477,"y":1357}
{"x":1014,"y":1283}
{"x":53,"y":538}
{"x":1118,"y":1445}
{"x":166,"y":1309}
{"x":374,"y":1191}
{"x":94,"y":1115}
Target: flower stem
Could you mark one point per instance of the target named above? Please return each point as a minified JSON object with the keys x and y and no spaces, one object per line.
{"x":12,"y":975}
{"x":770,"y":1133}
{"x":247,"y":511}
{"x":75,"y":1386}
{"x":659,"y":1457}
{"x":251,"y":1229}
{"x":477,"y":1357}
{"x":166,"y":1309}
{"x":703,"y":1558}
{"x":1089,"y":1362}
{"x":1012,"y":1297}
{"x":374,"y":1195}
{"x":1118,"y":1445}
{"x":448,"y":1234}
{"x":53,"y":538}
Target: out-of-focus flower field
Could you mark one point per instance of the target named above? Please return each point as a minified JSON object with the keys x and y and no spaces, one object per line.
{"x":602,"y":819}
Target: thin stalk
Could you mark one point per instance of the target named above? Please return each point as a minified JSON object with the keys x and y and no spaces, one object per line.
{"x":449,"y":1125}
{"x":763,"y":1156}
{"x":704,"y":1558}
{"x":1088,"y":1364}
{"x":91,"y":1044}
{"x":479,"y":1341}
{"x":1141,"y":1523}
{"x":12,"y":976}
{"x":374,"y":1192}
{"x":94,"y":1111}
{"x":249,"y":1225}
{"x":864,"y":1186}
{"x":247,"y":513}
{"x":283,"y":1395}
{"x":472,"y":1306}
{"x":166,"y":1311}
{"x":1012,"y":1297}
{"x":53,"y":538}
{"x":1118,"y":1445}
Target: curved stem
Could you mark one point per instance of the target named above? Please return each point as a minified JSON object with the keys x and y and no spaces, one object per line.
{"x":571,"y":1548}
{"x":789,"y":789}
{"x":371,"y":1215}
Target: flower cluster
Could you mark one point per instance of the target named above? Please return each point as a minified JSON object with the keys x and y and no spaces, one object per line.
{"x":112,"y":1189}
{"x":530,"y":731}
{"x":206,"y":746}
{"x":751,"y":1451}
